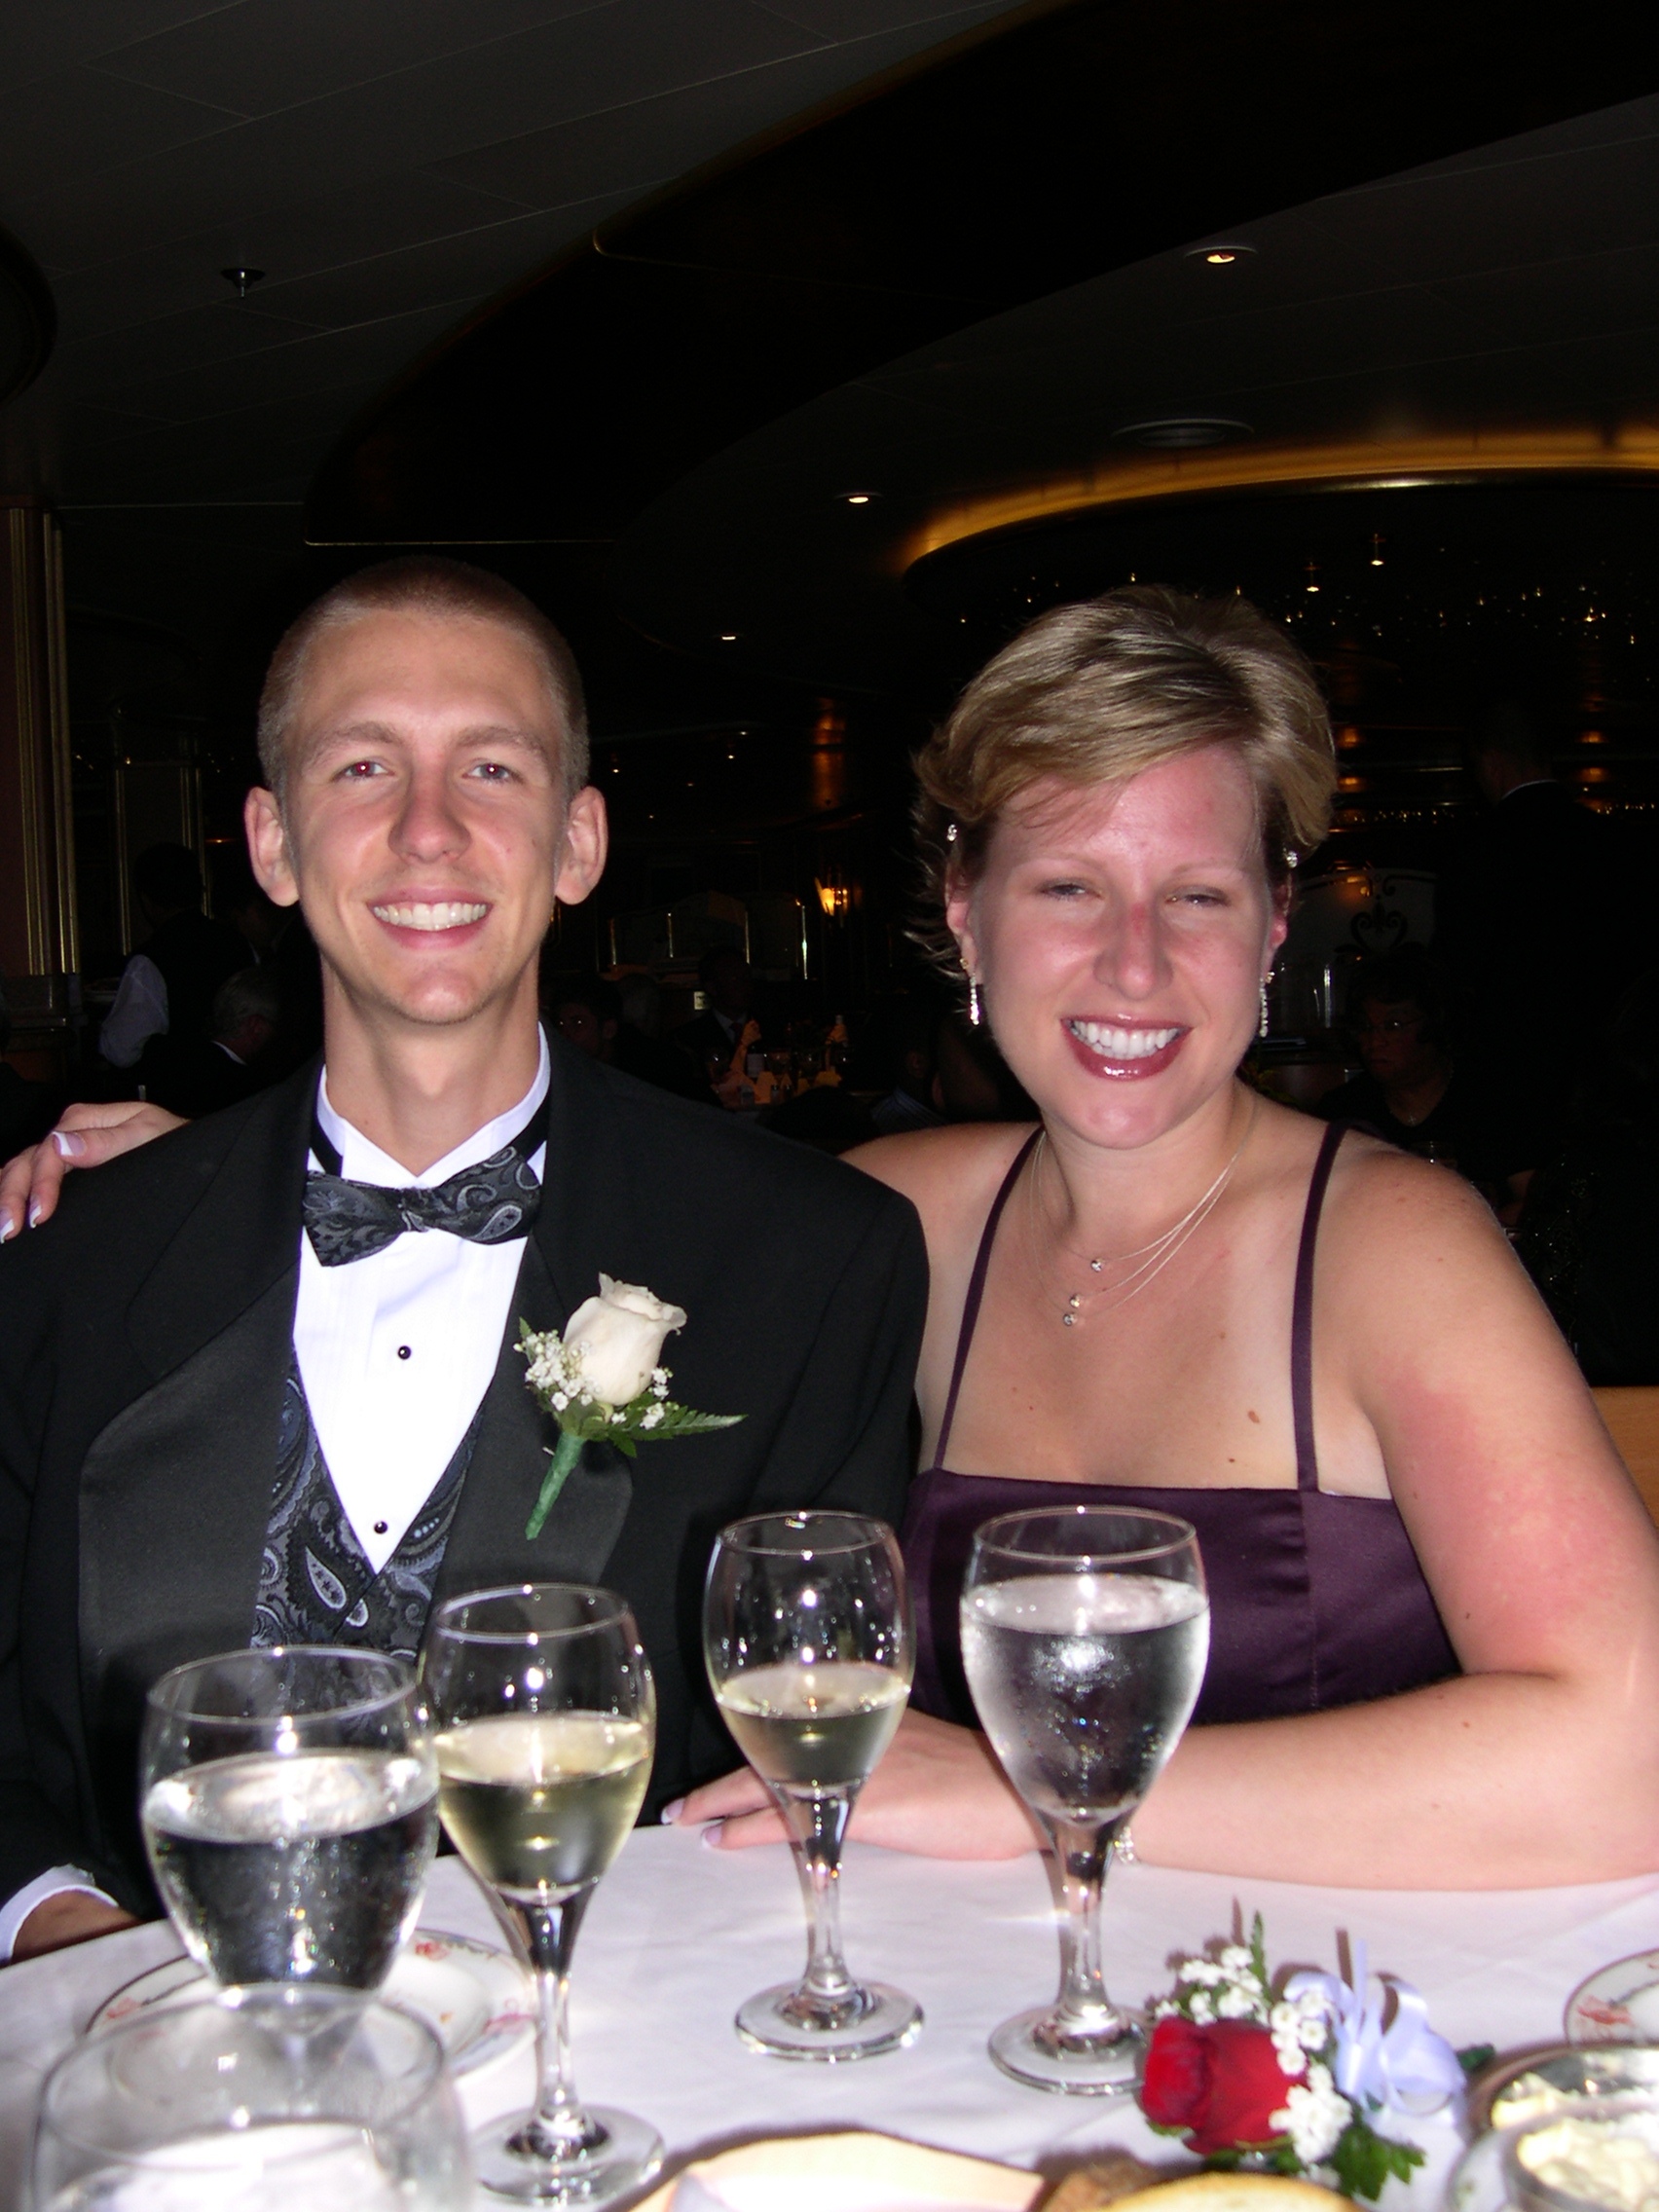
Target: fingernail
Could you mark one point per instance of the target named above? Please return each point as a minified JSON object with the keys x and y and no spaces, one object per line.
{"x":671,"y":1813}
{"x":8,"y":1226}
{"x":711,"y":1834}
{"x":69,"y":1145}
{"x":36,"y":1211}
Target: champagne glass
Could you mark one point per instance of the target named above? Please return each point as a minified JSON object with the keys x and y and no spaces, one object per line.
{"x":809,"y":1645}
{"x":290,"y":1807}
{"x":546,"y":1719}
{"x":1085,"y":1632}
{"x":254,"y":2100}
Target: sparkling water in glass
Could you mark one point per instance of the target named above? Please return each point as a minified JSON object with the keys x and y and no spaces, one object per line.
{"x":297,"y":2098}
{"x":289,"y":1808}
{"x":1085,"y":1636}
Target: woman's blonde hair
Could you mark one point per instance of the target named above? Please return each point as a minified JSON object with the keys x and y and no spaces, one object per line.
{"x":1096,"y":692}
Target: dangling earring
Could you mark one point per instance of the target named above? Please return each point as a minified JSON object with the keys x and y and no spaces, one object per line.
{"x":973,"y":1014}
{"x":1262,"y":1026}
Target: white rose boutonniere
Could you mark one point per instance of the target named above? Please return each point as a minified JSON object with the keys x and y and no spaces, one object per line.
{"x":602,"y":1382}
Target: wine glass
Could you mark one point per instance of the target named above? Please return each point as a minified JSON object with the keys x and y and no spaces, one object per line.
{"x":290,"y":1807}
{"x":1085,"y":1632}
{"x":809,"y":1645}
{"x":546,"y":1719}
{"x":254,"y":2100}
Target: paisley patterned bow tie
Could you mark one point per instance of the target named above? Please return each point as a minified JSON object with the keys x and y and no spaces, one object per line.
{"x":487,"y":1203}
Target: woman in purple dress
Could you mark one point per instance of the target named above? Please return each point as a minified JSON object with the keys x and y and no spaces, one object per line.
{"x":1435,"y":1595}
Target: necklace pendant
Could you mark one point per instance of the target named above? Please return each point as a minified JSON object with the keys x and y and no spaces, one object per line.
{"x":1075,"y":1300}
{"x":1068,"y":1321}
{"x":1097,"y":1265}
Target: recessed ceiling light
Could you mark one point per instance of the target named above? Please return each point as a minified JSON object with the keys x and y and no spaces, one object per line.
{"x":858,"y":498}
{"x":728,"y":637}
{"x":1221,"y":253}
{"x":1176,"y":430}
{"x":242,"y":278}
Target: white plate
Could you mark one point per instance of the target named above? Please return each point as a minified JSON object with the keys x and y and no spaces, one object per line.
{"x":1618,"y":2004}
{"x":481,"y":2003}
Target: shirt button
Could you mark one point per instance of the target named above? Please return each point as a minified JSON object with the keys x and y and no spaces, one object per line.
{"x":403,"y":1351}
{"x":380,"y":1528}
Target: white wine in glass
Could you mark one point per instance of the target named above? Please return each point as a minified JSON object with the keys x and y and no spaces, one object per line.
{"x":807,"y":1635}
{"x":547,"y":1722}
{"x":1085,"y":1636}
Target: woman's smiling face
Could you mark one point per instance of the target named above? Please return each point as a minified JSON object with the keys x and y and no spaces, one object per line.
{"x":1120,"y":934}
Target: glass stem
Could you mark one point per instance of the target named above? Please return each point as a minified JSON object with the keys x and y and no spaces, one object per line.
{"x":1083,"y":1850}
{"x":817,"y":1821}
{"x":558,"y":2129}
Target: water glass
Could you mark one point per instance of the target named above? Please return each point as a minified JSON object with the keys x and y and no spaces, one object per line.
{"x":290,"y":1805}
{"x":295,"y":2098}
{"x":1085,"y":1635}
{"x":810,"y":1649}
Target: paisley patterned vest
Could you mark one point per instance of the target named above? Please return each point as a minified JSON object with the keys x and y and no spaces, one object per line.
{"x":315,"y":1584}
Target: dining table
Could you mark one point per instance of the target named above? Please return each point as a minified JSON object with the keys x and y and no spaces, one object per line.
{"x":677,"y":1935}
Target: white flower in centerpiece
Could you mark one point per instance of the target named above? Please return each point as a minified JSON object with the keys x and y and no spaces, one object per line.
{"x":619,"y":1337}
{"x":1313,"y":2116}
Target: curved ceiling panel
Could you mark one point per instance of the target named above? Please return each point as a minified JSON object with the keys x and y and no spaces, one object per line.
{"x":1033,"y":155}
{"x":1496,"y":314}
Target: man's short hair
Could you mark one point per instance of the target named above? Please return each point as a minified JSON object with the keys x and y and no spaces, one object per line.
{"x":250,"y":994}
{"x":422,"y":583}
{"x":168,"y":875}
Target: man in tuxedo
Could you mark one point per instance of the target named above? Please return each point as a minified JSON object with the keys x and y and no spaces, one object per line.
{"x":259,"y":1379}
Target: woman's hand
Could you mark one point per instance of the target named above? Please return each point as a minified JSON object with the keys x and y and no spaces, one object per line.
{"x":86,"y":1136}
{"x":937,"y":1793}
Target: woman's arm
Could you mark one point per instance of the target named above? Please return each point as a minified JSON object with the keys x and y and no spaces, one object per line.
{"x":1541,"y":1763}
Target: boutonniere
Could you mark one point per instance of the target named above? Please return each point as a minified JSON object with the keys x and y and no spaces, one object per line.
{"x":1285,"y":2077}
{"x":602,"y":1382}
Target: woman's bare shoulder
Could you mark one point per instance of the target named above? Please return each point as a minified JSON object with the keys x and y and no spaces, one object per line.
{"x":945,"y":1172}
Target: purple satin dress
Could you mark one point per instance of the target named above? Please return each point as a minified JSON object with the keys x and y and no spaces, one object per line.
{"x":1315,"y":1600}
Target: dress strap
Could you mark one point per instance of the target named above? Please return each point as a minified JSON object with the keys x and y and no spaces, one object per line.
{"x":977,"y":1291}
{"x":1302,"y":1314}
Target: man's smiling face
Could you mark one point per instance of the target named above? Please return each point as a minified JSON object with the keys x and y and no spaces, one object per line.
{"x":425,"y":828}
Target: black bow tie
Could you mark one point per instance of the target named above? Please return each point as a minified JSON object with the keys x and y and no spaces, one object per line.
{"x":487,"y":1203}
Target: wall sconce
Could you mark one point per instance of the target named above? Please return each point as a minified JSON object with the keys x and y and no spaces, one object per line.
{"x":835,"y":898}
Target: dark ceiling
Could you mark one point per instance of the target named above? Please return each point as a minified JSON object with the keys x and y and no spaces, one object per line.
{"x":626,"y":298}
{"x":390,"y":166}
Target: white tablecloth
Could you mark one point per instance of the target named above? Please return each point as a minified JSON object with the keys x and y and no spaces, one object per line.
{"x":678,"y":1936}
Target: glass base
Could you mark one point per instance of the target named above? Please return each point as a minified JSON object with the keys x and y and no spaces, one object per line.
{"x":628,"y":2156}
{"x":1032,"y":2048}
{"x":786,"y":2024}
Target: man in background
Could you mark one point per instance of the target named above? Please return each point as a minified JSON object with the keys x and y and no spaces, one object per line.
{"x":168,"y":986}
{"x":203,"y":1074}
{"x":1534,"y":934}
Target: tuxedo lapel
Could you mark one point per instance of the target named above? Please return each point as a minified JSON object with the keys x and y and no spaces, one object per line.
{"x":488,"y":1544}
{"x":176,"y":1491}
{"x":175,"y":1497}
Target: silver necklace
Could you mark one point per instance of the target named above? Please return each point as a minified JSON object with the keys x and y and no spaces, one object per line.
{"x":1151,"y":1259}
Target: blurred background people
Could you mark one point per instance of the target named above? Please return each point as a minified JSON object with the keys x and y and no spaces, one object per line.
{"x":1590,"y":1228}
{"x":728,"y":984}
{"x":591,"y":1013}
{"x":168,"y":986}
{"x":1401,"y":1027}
{"x":195,"y":1076}
{"x":1531,"y":930}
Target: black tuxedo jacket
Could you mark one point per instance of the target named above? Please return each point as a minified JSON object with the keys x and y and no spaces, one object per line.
{"x":145,"y":1335}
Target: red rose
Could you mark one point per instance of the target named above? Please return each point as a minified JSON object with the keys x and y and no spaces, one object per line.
{"x":1222,"y":2082}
